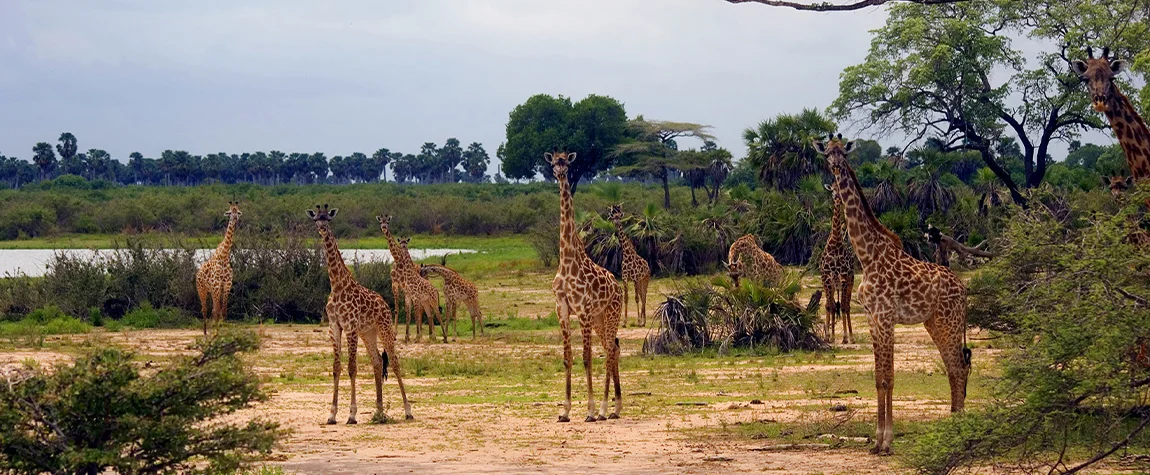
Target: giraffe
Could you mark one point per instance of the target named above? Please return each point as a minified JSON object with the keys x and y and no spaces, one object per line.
{"x":214,"y":277}
{"x":457,"y":290}
{"x":762,"y":265}
{"x":898,"y":289}
{"x":419,"y":296}
{"x":635,"y":268}
{"x":837,"y":270}
{"x":1129,"y":128}
{"x":356,"y":312}
{"x":583,"y":288}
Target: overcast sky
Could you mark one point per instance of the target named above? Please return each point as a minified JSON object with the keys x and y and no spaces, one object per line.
{"x":355,"y":75}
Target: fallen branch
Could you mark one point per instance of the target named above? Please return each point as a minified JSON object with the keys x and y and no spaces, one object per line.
{"x":781,"y":447}
{"x":832,"y":7}
{"x":690,"y":404}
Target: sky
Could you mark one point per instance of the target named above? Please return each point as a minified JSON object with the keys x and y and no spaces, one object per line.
{"x":349,"y":76}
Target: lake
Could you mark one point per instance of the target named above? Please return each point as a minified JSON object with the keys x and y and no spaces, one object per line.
{"x":34,"y":262}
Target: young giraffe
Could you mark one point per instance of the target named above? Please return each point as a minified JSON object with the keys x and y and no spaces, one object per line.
{"x":583,"y":288}
{"x":635,"y":268}
{"x":837,"y":270}
{"x":898,"y":289}
{"x":214,"y":277}
{"x":1129,"y":128}
{"x":354,"y":310}
{"x":419,"y":296}
{"x":762,"y":264}
{"x":457,"y":290}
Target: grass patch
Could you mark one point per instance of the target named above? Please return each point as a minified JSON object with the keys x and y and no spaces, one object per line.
{"x":146,"y":316}
{"x":40,"y":323}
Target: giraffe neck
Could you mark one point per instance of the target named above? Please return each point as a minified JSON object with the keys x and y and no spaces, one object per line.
{"x":872,"y":241}
{"x":624,"y":240}
{"x":570,"y":246}
{"x":225,"y":247}
{"x":398,"y":253}
{"x":836,"y":238}
{"x":1131,"y":132}
{"x":337,"y":270}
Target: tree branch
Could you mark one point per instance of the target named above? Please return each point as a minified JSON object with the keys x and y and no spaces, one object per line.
{"x":831,"y":7}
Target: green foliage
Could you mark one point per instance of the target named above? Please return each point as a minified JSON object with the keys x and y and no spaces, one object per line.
{"x":781,"y":149}
{"x":42,"y":322}
{"x":1069,"y":291}
{"x":101,"y":413}
{"x":145,"y":316}
{"x":591,"y":128}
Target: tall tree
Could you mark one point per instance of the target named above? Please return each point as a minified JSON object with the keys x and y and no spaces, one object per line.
{"x":655,"y":152}
{"x":45,"y":158}
{"x":475,"y":161}
{"x":99,"y":164}
{"x":592,"y":128}
{"x":449,"y":157}
{"x":781,"y":149}
{"x":951,"y":71}
{"x":379,"y":161}
{"x":67,"y":147}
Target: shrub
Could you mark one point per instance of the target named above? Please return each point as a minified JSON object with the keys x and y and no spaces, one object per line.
{"x":101,"y":414}
{"x":75,"y":282}
{"x":544,"y":238}
{"x":1071,"y":294}
{"x":277,"y":277}
{"x":145,"y":316}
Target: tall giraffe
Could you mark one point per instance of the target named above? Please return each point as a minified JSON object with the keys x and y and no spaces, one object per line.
{"x":746,"y":258}
{"x":898,"y":289}
{"x":214,"y":277}
{"x":583,"y":288}
{"x":354,"y":310}
{"x":635,"y":268}
{"x":1129,"y":128}
{"x":419,"y":296}
{"x":457,"y":290}
{"x":837,"y":270}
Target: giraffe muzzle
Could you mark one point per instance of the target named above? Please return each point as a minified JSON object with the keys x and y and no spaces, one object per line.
{"x":1100,"y":104}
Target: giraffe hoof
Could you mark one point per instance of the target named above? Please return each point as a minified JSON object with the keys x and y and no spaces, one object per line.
{"x":564,"y":419}
{"x":601,"y":417}
{"x":614,"y":415}
{"x":409,"y":417}
{"x":351,"y":421}
{"x":590,"y":419}
{"x":331,"y":421}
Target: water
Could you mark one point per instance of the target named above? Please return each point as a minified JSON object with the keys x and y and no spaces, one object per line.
{"x":34,"y":262}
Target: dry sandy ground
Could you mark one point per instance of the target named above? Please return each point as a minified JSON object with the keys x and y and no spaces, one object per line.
{"x":525,"y":438}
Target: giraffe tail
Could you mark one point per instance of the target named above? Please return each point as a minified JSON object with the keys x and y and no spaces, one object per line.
{"x":386,"y":361}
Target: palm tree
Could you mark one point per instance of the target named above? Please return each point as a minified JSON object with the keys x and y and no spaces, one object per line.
{"x":926,"y":191}
{"x":883,"y":180}
{"x":781,"y":147}
{"x":45,"y":158}
{"x":648,"y":229}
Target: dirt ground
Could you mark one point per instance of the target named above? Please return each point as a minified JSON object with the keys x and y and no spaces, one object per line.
{"x":455,"y":431}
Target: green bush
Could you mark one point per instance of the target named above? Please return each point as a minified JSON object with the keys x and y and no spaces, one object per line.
{"x":40,"y":323}
{"x":101,"y":414}
{"x":145,"y":316}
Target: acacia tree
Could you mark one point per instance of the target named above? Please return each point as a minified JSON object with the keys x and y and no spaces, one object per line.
{"x":655,"y":152}
{"x":929,"y":73}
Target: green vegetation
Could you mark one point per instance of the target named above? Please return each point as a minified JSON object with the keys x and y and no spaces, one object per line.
{"x":101,"y":413}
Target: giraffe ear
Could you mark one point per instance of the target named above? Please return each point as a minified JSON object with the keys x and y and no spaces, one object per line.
{"x":331,"y":214}
{"x":827,"y":186}
{"x":1117,"y":66}
{"x":850,"y":147}
{"x":310,"y":214}
{"x":571,"y":157}
{"x":1078,"y":66}
{"x":547,"y":156}
{"x":379,"y":218}
{"x":1130,"y":181}
{"x":820,"y":147}
{"x":1105,"y":181}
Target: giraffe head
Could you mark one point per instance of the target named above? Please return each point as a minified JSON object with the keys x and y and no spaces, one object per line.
{"x":322,"y":217}
{"x":1118,"y":185}
{"x":403,"y":242}
{"x":1098,"y":74}
{"x":735,"y":270}
{"x":559,"y":162}
{"x":384,"y":221}
{"x":233,"y":213}
{"x":836,"y":151}
{"x":615,"y":213}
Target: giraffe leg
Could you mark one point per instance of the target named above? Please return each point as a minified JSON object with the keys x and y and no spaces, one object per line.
{"x":370,"y":342}
{"x":948,"y":339}
{"x":565,"y":328}
{"x":585,"y":327}
{"x":417,"y":313}
{"x":829,"y":324}
{"x":625,"y":302}
{"x":882,"y":339}
{"x":394,"y":357}
{"x":352,"y":342}
{"x":476,"y":315}
{"x":454,"y":319}
{"x":434,"y":309}
{"x":336,"y":341}
{"x":641,"y":295}
{"x":845,"y":311}
{"x":613,"y":372}
{"x":202,"y":290}
{"x":223,"y":305}
{"x":217,"y":307}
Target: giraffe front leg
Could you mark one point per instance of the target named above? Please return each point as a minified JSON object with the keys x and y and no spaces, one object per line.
{"x":336,"y":341}
{"x":370,"y":342}
{"x":613,"y":372}
{"x":882,"y":340}
{"x":625,"y":301}
{"x":394,"y":357}
{"x":829,"y":305}
{"x":585,"y":327}
{"x":845,"y":312}
{"x":202,"y":290}
{"x":947,"y":336}
{"x":641,"y":296}
{"x":565,"y":328}
{"x":351,"y":370}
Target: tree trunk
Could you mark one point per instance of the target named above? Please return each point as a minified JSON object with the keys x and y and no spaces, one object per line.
{"x":694,"y":202}
{"x":666,"y":190}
